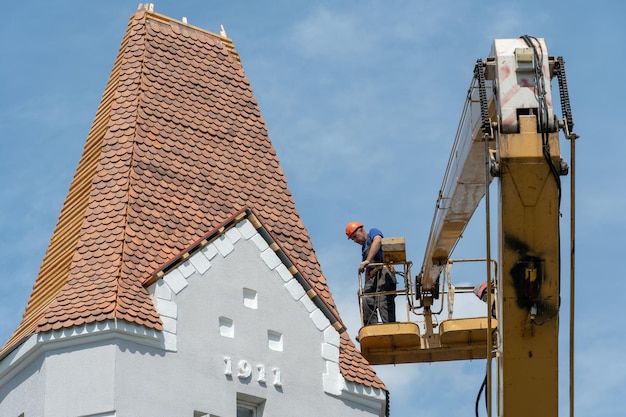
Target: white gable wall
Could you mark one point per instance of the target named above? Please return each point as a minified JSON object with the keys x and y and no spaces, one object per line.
{"x":235,"y":322}
{"x":241,"y":323}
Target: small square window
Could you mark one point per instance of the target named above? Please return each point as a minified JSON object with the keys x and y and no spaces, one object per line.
{"x":227,"y":327}
{"x":275,"y":340}
{"x":250,"y":298}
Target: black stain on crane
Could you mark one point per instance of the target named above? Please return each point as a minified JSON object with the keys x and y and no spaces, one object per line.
{"x":527,"y":273}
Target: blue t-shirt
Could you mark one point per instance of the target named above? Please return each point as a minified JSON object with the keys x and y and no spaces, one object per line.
{"x":365,"y":249}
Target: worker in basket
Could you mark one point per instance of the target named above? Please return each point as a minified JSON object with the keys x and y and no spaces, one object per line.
{"x":378,"y":278}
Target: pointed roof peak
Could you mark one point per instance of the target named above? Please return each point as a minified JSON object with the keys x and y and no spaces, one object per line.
{"x":147,"y":9}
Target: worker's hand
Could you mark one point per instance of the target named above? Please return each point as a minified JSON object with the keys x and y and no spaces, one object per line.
{"x":363,"y":265}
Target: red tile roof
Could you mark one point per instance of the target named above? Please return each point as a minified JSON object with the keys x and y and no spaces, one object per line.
{"x":178,"y":145}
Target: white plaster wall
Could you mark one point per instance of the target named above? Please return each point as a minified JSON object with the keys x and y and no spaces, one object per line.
{"x":300,"y":362}
{"x":115,"y":370}
{"x":23,"y":393}
{"x":68,"y":381}
{"x":80,"y":382}
{"x":193,"y":377}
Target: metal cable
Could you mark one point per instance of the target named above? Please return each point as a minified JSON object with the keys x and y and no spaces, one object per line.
{"x":572,"y":286}
{"x":559,"y":69}
{"x":568,"y":125}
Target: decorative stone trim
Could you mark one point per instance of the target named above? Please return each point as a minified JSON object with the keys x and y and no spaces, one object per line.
{"x":175,"y":281}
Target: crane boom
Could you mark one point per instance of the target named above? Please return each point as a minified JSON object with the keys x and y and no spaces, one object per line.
{"x":507,"y":132}
{"x":508,"y":93}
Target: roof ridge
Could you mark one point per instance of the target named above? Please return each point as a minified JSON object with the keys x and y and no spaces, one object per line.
{"x":149,"y":10}
{"x":129,"y":177}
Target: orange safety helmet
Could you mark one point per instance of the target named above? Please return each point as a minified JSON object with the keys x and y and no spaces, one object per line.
{"x":352,"y":227}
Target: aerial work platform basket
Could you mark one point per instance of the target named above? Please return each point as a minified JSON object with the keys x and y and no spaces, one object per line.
{"x":393,"y":343}
{"x":404,"y":342}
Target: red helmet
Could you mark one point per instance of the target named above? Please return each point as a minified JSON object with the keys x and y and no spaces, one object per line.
{"x":352,"y":227}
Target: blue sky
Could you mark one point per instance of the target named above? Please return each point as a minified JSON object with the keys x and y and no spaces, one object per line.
{"x":362,"y":100}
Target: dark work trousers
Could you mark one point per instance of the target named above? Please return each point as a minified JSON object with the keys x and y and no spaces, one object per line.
{"x":380,"y":280}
